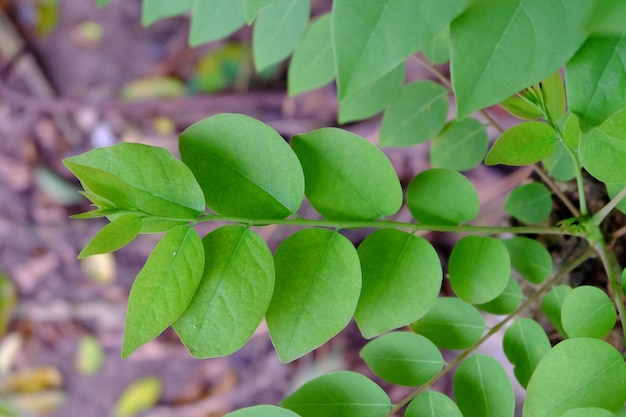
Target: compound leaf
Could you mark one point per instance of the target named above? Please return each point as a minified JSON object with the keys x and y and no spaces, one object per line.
{"x":603,"y":149}
{"x":523,"y":144}
{"x":530,"y":258}
{"x":461,"y":145}
{"x":525,"y":343}
{"x":587,"y":312}
{"x":432,"y":404}
{"x":215,"y":19}
{"x":153,"y":10}
{"x":233,"y":295}
{"x":164,"y":287}
{"x":113,"y":236}
{"x":529,"y":203}
{"x":552,"y":303}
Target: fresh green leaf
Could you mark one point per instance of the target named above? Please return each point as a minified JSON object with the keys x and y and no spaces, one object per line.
{"x":613,"y":189}
{"x":391,"y":297}
{"x":371,"y":37}
{"x":523,"y":144}
{"x":442,"y":196}
{"x":603,"y":149}
{"x":164,"y":287}
{"x":432,"y":404}
{"x":153,"y":10}
{"x":403,"y":358}
{"x":522,"y":107}
{"x":262,"y":411}
{"x":525,"y":343}
{"x":141,"y":395}
{"x":479,"y":269}
{"x":253,"y":7}
{"x":215,"y":19}
{"x":313,"y":63}
{"x":102,"y":3}
{"x":318,"y":281}
{"x":507,"y":301}
{"x":482,"y":388}
{"x":223,"y":152}
{"x":607,"y":17}
{"x":500,"y":47}
{"x":113,"y":236}
{"x":233,"y":295}
{"x":344,"y":393}
{"x":577,"y":373}
{"x":438,"y":49}
{"x":417,"y":114}
{"x":551,"y":306}
{"x":373,"y":98}
{"x":572,"y":133}
{"x":560,"y":164}
{"x":451,"y":323}
{"x":587,"y":312}
{"x":461,"y":145}
{"x":587,"y":412}
{"x":346,"y":176}
{"x":529,"y":203}
{"x":596,"y":80}
{"x":553,"y":92}
{"x":277,"y":30}
{"x":530,"y":258}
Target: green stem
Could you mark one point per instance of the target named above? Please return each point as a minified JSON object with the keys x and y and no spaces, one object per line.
{"x":531,"y":299}
{"x":601,"y":215}
{"x":582,"y":200}
{"x":613,"y":273}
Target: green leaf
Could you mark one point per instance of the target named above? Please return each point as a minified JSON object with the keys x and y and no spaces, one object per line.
{"x":113,"y":236}
{"x":102,"y":3}
{"x":442,"y":196}
{"x":164,"y":287}
{"x":482,"y":388}
{"x":277,"y":30}
{"x":417,"y":114}
{"x":607,"y":17}
{"x":572,"y":133}
{"x":560,"y":164}
{"x":603,"y":149}
{"x":587,"y":412}
{"x":553,"y":92}
{"x":403,"y":358}
{"x":587,"y":312}
{"x":371,"y":37}
{"x":551,"y":306}
{"x":461,"y":145}
{"x":507,"y":301}
{"x":479,"y":268}
{"x":215,"y":19}
{"x":523,"y":144}
{"x":373,"y":98}
{"x":253,"y":7}
{"x":522,"y":107}
{"x":577,"y":373}
{"x":347,"y":178}
{"x":530,"y":258}
{"x":262,"y":411}
{"x":451,"y":324}
{"x":596,"y":80}
{"x":318,"y":281}
{"x":89,"y":356}
{"x":391,"y":297}
{"x":500,"y":47}
{"x":613,"y":189}
{"x":313,"y":63}
{"x":153,"y":10}
{"x":525,"y":343}
{"x":438,"y":49}
{"x":343,"y":393}
{"x":141,"y":395}
{"x":233,"y":295}
{"x":432,"y":404}
{"x":529,"y":203}
{"x":223,"y":152}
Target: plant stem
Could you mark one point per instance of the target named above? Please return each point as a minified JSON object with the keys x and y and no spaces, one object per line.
{"x":556,"y":190}
{"x":613,"y":272}
{"x":601,"y":215}
{"x":531,"y":299}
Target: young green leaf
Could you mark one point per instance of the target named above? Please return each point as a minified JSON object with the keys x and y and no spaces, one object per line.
{"x":233,"y":295}
{"x":417,"y":114}
{"x":318,"y":281}
{"x":113,"y":236}
{"x":403,"y":358}
{"x":587,"y":312}
{"x":442,"y":196}
{"x":588,"y":412}
{"x":343,"y":393}
{"x":432,"y":404}
{"x":607,"y":17}
{"x":603,"y":149}
{"x":613,"y":189}
{"x":577,"y":373}
{"x":530,"y":258}
{"x":141,"y":395}
{"x":572,"y":133}
{"x":215,"y":19}
{"x":461,"y":145}
{"x":372,"y":98}
{"x":482,"y":388}
{"x":523,"y":144}
{"x":313,"y":63}
{"x":153,"y":10}
{"x":522,"y":107}
{"x":438,"y":49}
{"x":277,"y":30}
{"x":253,"y":7}
{"x":525,"y":343}
{"x":479,"y":268}
{"x":529,"y":203}
{"x":553,"y":92}
{"x":223,"y":152}
{"x":451,"y":323}
{"x":371,"y":37}
{"x":560,"y":164}
{"x":500,"y":47}
{"x":391,"y":296}
{"x":164,"y":287}
{"x":551,"y":306}
{"x":507,"y":301}
{"x":262,"y":411}
{"x":346,"y":176}
{"x":596,"y":80}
